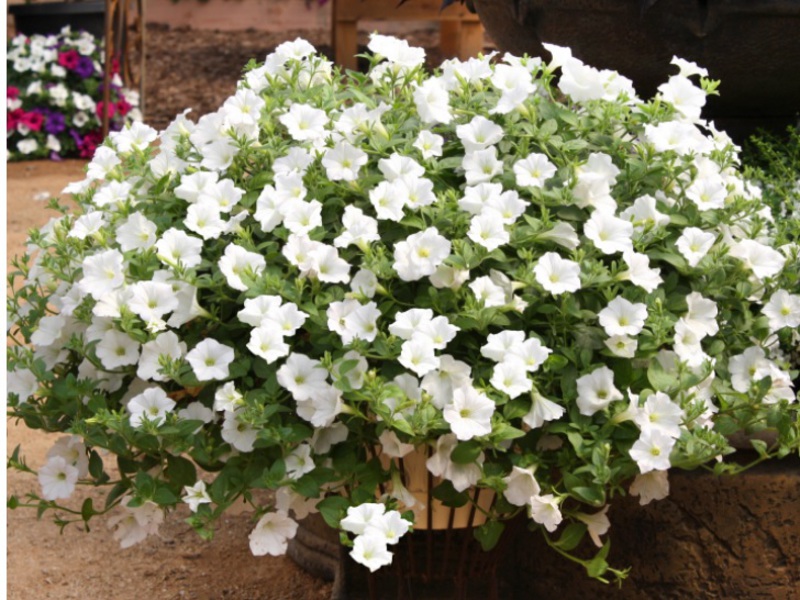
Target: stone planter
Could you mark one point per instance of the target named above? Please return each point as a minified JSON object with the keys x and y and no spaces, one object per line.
{"x":712,"y":537}
{"x":752,"y":46}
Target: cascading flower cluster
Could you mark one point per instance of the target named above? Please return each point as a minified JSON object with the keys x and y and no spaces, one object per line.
{"x":54,"y":96}
{"x":555,"y":287}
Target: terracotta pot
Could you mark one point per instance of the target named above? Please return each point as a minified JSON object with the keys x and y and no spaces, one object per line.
{"x":752,"y":46}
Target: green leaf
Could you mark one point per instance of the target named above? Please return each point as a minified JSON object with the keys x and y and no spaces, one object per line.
{"x":13,"y":502}
{"x":96,"y":465}
{"x":596,"y":567}
{"x":466,"y":452}
{"x":488,"y":534}
{"x":333,"y":509}
{"x":504,"y":431}
{"x":180,"y":471}
{"x":164,"y":496}
{"x":87,"y":509}
{"x":571,"y":537}
{"x":447,"y":495}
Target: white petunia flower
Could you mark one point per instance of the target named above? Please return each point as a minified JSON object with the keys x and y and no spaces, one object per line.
{"x":400,"y":167}
{"x":534,"y":170}
{"x":481,"y":165}
{"x":272,"y":534}
{"x":432,"y":102}
{"x":609,"y":233}
{"x":479,"y":133}
{"x":359,"y":229}
{"x":102,"y":273}
{"x":462,"y":476}
{"x":299,"y":462}
{"x":621,"y":317}
{"x":622,"y":346}
{"x":687,"y":343}
{"x":562,"y":234}
{"x":304,"y":122}
{"x":389,"y":199}
{"x":644,"y":214}
{"x":488,"y":230}
{"x":597,"y":524}
{"x":488,"y":292}
{"x":708,"y":192}
{"x":661,"y":413}
{"x":137,"y":522}
{"x":390,"y":527}
{"x":521,"y":486}
{"x":557,"y":275}
{"x":210,"y":360}
{"x":303,"y":376}
{"x":321,"y":409}
{"x":153,"y":404}
{"x":469,"y":414}
{"x":429,"y":144}
{"x":651,"y":451}
{"x":694,"y":244}
{"x":418,"y":354}
{"x":343,"y":162}
{"x":117,"y":349}
{"x":420,"y":254}
{"x":782,"y":310}
{"x":744,"y":367}
{"x":449,"y":375}
{"x":545,"y":511}
{"x":360,"y":517}
{"x":371,"y":551}
{"x":639,"y":272}
{"x":596,"y":391}
{"x":511,"y":377}
{"x":176,"y":247}
{"x":152,"y":299}
{"x":166,"y":346}
{"x":653,"y":485}
{"x":542,"y":411}
{"x":236,"y":261}
{"x":58,"y":478}
{"x":762,"y":260}
{"x":136,"y":232}
{"x":702,"y":314}
{"x":267,"y":342}
{"x":195,"y":495}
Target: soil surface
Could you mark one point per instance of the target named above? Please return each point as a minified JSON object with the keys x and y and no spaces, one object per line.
{"x":199,"y":69}
{"x":185,"y":69}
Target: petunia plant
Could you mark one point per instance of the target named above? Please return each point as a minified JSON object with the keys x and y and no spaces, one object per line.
{"x":553,"y":289}
{"x":54,"y":96}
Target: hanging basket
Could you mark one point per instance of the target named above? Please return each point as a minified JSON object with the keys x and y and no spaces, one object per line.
{"x":440,"y":559}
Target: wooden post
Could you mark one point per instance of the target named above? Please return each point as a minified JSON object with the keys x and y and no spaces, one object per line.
{"x":461,"y":33}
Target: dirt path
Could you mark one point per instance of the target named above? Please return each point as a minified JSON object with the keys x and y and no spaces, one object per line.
{"x":177,"y":565}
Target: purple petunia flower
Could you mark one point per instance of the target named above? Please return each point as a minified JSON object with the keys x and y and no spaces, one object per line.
{"x":54,"y":123}
{"x":85,"y":67}
{"x":76,"y":136}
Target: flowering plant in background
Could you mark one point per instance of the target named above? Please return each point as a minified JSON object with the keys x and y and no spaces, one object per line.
{"x":556,"y":289}
{"x":54,"y":96}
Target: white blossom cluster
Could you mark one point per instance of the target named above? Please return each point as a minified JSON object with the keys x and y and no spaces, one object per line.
{"x":523,"y":267}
